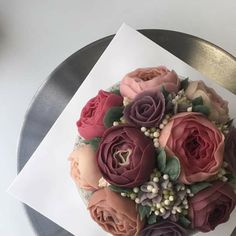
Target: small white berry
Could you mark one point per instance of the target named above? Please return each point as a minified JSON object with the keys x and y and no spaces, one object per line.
{"x":165,"y":176}
{"x":143,"y":129}
{"x":137,"y":200}
{"x":165,"y":121}
{"x":189,"y":109}
{"x":167,"y":202}
{"x":157,"y":212}
{"x":161,"y":126}
{"x":156,"y":179}
{"x":154,"y":190}
{"x":146,"y":133}
{"x":133,"y":196}
{"x":158,"y":205}
{"x":123,"y":194}
{"x":162,"y":210}
{"x":136,"y":189}
{"x":156,"y":144}
{"x":156,"y":134}
{"x":224,"y":179}
{"x":179,"y":209}
{"x":173,"y":211}
{"x":115,"y":123}
{"x":149,"y":188}
{"x":171,"y":198}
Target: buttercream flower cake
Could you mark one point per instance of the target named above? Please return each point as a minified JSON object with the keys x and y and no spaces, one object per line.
{"x":156,"y":155}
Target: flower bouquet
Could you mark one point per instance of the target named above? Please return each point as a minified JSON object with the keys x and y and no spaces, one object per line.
{"x":156,"y":155}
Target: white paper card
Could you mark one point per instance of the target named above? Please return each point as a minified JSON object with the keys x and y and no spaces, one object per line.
{"x":45,"y":184}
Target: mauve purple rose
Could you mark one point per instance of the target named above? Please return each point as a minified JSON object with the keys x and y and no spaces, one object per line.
{"x":164,"y":228}
{"x":230,"y":149}
{"x":212,"y":206}
{"x":125,"y":156}
{"x":147,"y":109}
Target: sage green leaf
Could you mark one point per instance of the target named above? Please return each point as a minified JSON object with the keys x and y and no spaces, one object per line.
{"x":93,"y":142}
{"x":152,"y":219}
{"x":197,"y":101}
{"x":184,"y":83}
{"x":161,"y":160}
{"x":119,"y":189}
{"x":197,"y":187}
{"x":116,"y":91}
{"x":144,"y":211}
{"x":113,"y":114}
{"x":202,"y":109}
{"x":185,"y":222}
{"x":173,"y":168}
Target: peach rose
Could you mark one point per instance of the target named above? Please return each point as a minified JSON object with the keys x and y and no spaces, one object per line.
{"x":152,"y":78}
{"x":115,"y":214}
{"x":219,"y":111}
{"x":84,"y":169}
{"x":197,"y":143}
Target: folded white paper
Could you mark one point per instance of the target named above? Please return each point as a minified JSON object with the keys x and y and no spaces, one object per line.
{"x":45,"y":184}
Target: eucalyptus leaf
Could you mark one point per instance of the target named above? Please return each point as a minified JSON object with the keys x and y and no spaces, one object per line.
{"x":113,"y":114}
{"x":152,"y":219}
{"x":185,"y":222}
{"x":144,"y":211}
{"x":202,"y":109}
{"x":165,"y":92}
{"x":197,"y":101}
{"x":197,"y":187}
{"x":161,"y":160}
{"x":184,"y":83}
{"x":93,"y":142}
{"x":172,"y":168}
{"x":119,"y":189}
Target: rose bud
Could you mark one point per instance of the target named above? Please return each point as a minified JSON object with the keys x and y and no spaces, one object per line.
{"x":147,"y":109}
{"x":152,"y":78}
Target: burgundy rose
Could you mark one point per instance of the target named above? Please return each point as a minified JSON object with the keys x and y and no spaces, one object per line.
{"x":212,"y":206}
{"x":230,"y":149}
{"x":164,"y":228}
{"x":125,"y":156}
{"x":90,"y":124}
{"x":147,"y":109}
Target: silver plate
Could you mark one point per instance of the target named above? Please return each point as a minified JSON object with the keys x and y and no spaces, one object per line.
{"x":61,"y":85}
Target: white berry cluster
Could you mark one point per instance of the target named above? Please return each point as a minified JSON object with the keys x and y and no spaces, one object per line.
{"x":165,"y":198}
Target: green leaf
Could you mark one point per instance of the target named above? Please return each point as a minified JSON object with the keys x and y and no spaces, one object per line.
{"x":164,"y":92}
{"x":197,"y":101}
{"x":172,"y":168}
{"x":152,"y":219}
{"x":94,"y":142}
{"x":202,"y":109}
{"x":184,"y":83}
{"x":185,"y":222}
{"x":119,"y":189}
{"x":113,"y":114}
{"x":116,"y":91}
{"x":197,"y":187}
{"x":161,"y":160}
{"x":144,"y":211}
{"x":231,"y":179}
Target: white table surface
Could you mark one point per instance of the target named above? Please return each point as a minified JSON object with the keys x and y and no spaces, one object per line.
{"x":36,"y":36}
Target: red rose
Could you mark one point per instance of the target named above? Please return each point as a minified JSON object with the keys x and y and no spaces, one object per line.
{"x":90,"y":124}
{"x":212,"y":206}
{"x":125,"y":156}
{"x":197,"y":143}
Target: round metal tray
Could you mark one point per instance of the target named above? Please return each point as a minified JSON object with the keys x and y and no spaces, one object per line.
{"x":61,"y":85}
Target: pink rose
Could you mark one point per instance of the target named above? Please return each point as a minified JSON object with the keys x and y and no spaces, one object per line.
{"x":84,"y":169}
{"x":219,"y":111}
{"x":115,"y":214}
{"x":152,"y":78}
{"x":90,"y":124}
{"x":197,"y":143}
